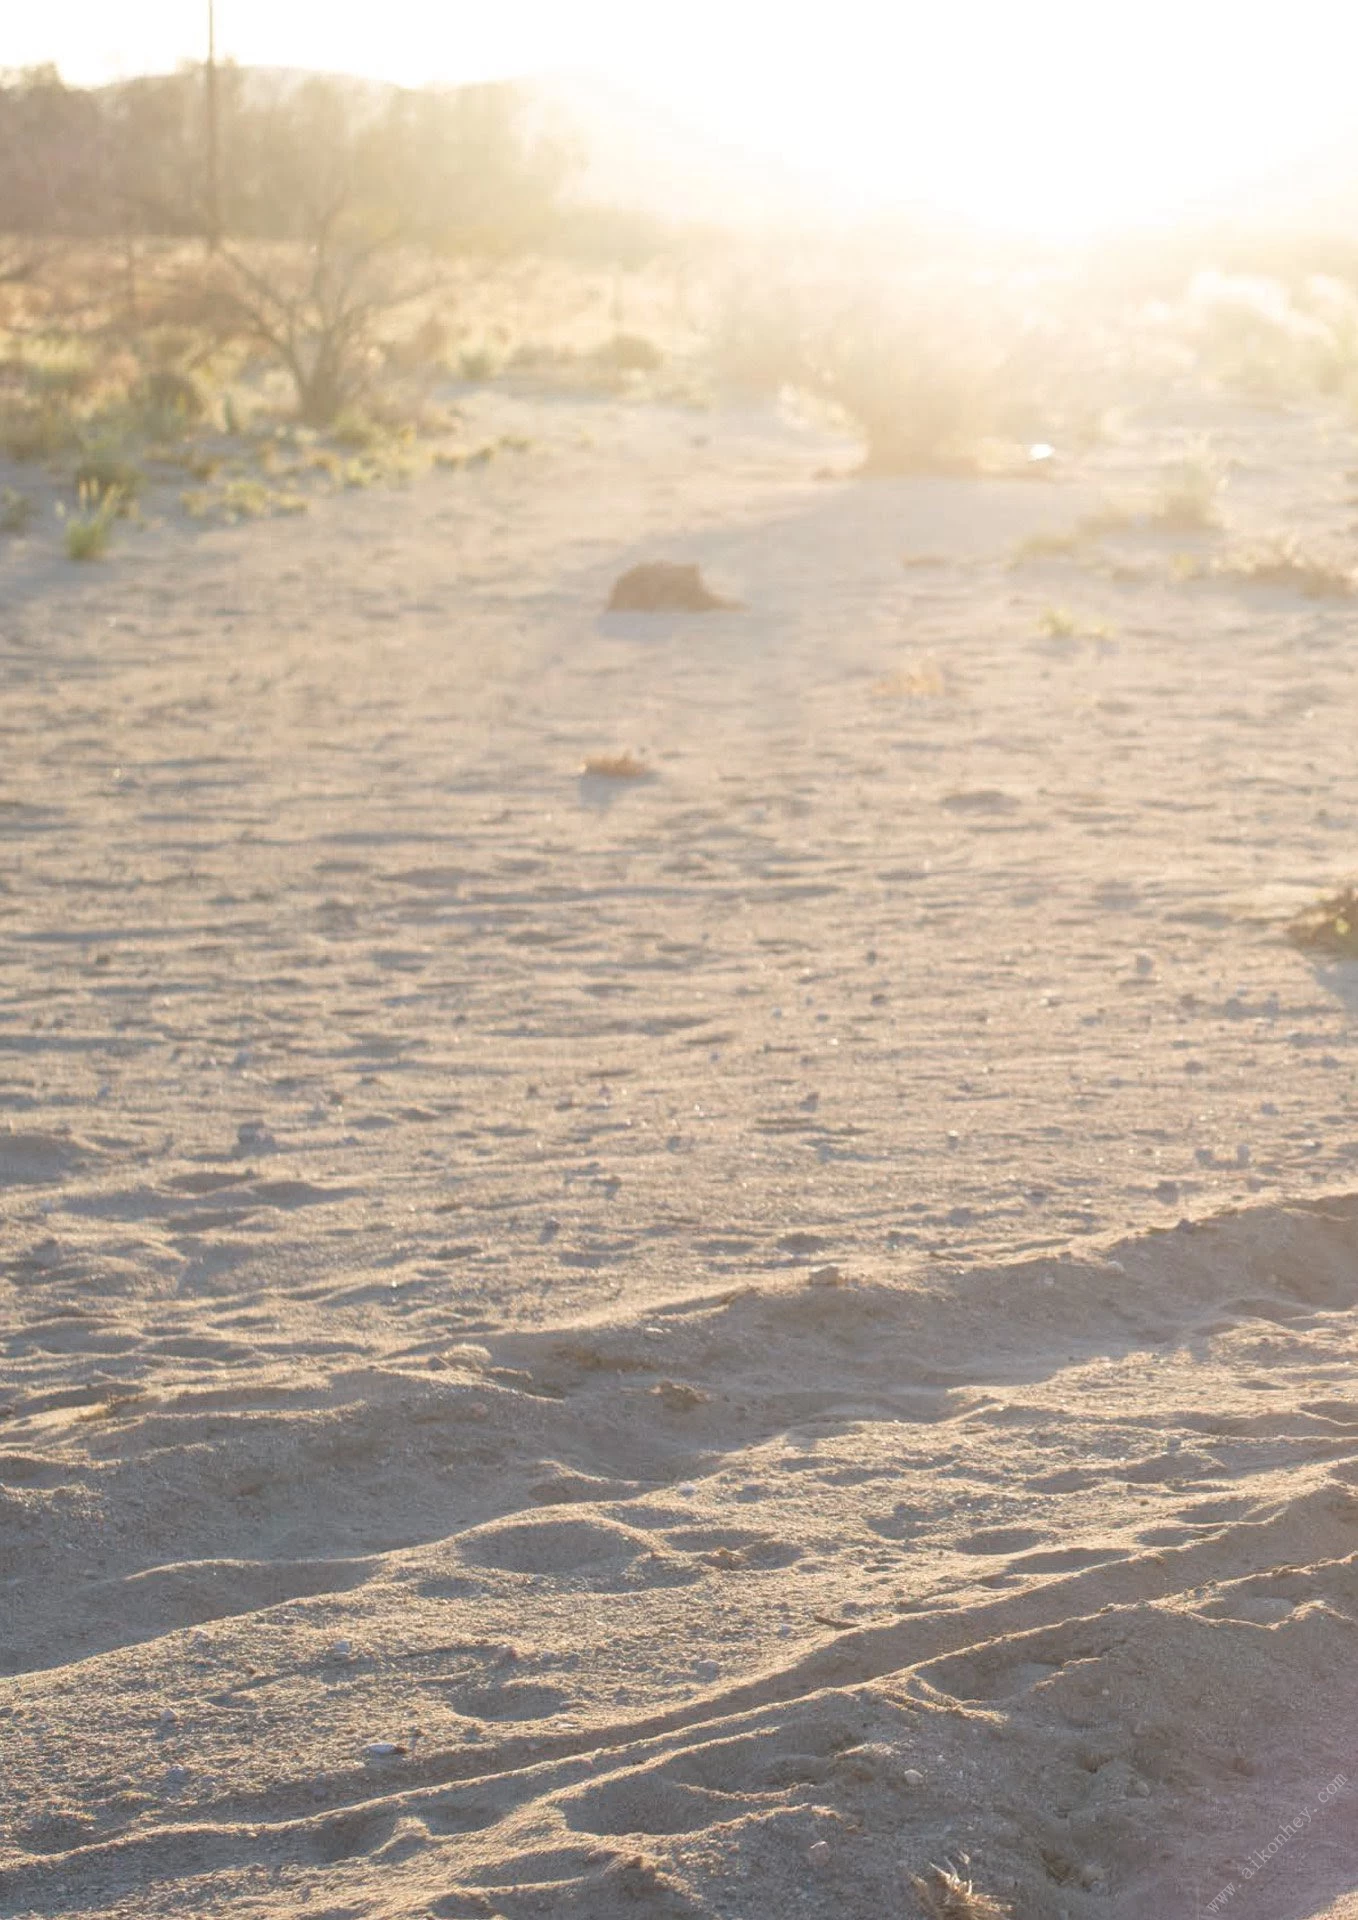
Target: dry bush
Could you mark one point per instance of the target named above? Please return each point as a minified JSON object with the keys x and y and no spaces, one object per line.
{"x":920,"y":381}
{"x":1284,"y":562}
{"x":1273,"y":341}
{"x":929,"y":369}
{"x":925,"y":679}
{"x":944,"y":1895}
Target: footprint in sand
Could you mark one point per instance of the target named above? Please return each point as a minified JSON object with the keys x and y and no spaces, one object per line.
{"x":600,"y":1552}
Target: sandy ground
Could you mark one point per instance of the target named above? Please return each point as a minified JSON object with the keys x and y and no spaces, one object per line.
{"x":696,"y":1345}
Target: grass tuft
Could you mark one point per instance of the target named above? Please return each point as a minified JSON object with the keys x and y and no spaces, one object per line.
{"x":87,"y":533}
{"x":102,"y":472}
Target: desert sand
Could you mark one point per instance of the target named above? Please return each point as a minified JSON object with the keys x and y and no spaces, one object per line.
{"x":695,"y":1344}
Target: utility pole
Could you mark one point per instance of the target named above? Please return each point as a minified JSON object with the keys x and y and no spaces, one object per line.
{"x":213,"y":228}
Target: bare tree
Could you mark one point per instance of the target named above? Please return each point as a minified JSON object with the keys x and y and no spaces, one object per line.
{"x":318,"y":309}
{"x":374,"y":194}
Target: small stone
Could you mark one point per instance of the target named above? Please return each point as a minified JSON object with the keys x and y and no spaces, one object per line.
{"x":818,"y":1853}
{"x":664,"y":586}
{"x":913,"y":1777}
{"x":827,"y":1276}
{"x":384,"y":1750}
{"x":1145,"y":965}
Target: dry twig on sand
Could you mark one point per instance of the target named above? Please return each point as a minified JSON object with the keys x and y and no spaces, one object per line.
{"x":944,"y":1895}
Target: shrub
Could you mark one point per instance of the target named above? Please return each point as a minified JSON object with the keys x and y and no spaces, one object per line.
{"x":16,"y":511}
{"x":29,"y":432}
{"x":1050,"y":544}
{"x":630,"y":353}
{"x":353,"y":427}
{"x":1189,"y":501}
{"x":246,"y":499}
{"x":168,"y":403}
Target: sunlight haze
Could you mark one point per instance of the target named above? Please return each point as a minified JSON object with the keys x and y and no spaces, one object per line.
{"x":1055,"y":118}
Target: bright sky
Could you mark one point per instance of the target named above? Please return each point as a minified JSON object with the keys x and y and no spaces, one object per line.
{"x":1055,"y":115}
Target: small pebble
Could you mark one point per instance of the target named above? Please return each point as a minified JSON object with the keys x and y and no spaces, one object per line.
{"x":913,"y":1777}
{"x":1145,"y":964}
{"x":818,"y":1853}
{"x":383,"y":1750}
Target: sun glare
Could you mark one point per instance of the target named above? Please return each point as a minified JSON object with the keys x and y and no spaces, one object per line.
{"x":1051,"y":118}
